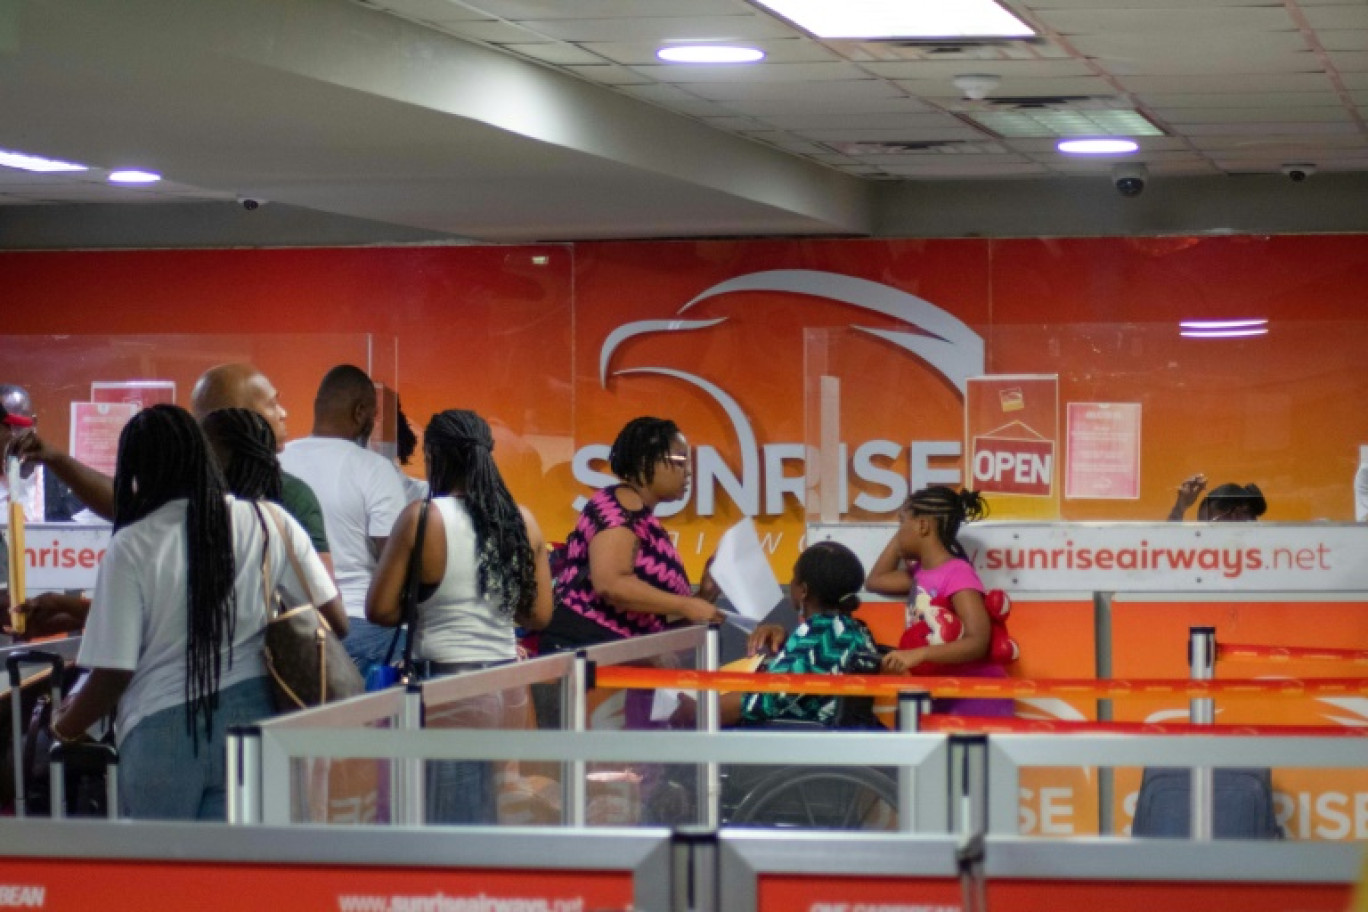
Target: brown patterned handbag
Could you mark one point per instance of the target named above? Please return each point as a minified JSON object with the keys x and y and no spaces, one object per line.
{"x":306,"y":660}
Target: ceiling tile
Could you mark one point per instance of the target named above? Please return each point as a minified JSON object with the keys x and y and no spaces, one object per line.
{"x":893,"y":105}
{"x":1009,"y":70}
{"x":668,"y":96}
{"x":430,"y":10}
{"x":1347,"y":127}
{"x":488,"y":31}
{"x":1350,"y":61}
{"x":609,"y":75}
{"x":555,"y":52}
{"x":1163,"y":101}
{"x":711,"y":28}
{"x":812,"y":92}
{"x":1343,"y":40}
{"x":889,"y":134}
{"x":1012,"y":88}
{"x":1338,"y":17}
{"x":1183,"y":116}
{"x":1222,"y":21}
{"x":839,"y":120}
{"x":950,"y":167}
{"x":1246,"y":84}
{"x":603,"y":9}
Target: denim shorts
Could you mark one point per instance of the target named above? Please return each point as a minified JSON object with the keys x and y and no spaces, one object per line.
{"x":163,"y":776}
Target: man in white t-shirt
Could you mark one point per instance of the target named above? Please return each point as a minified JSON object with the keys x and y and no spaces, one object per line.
{"x":360,"y":494}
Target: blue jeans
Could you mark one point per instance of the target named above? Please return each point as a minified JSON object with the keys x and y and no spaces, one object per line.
{"x":161,"y":774}
{"x":367,"y":643}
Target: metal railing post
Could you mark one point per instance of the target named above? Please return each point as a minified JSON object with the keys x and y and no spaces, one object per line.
{"x":575,"y":789}
{"x":410,"y":783}
{"x":243,"y":746}
{"x":695,"y":874}
{"x":1202,"y":667}
{"x":912,"y":705}
{"x":710,"y":774}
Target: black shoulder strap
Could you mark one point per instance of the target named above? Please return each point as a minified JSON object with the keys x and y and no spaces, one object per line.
{"x":408,"y":596}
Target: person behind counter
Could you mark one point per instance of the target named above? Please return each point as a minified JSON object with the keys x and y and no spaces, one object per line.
{"x":175,"y":633}
{"x":1226,"y":503}
{"x":621,"y":576}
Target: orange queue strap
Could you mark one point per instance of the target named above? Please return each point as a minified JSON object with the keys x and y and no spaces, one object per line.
{"x":993,"y":725}
{"x":624,"y":677}
{"x":1291,"y":653}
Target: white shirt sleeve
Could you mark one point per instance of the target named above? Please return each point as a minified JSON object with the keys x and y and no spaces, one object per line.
{"x":385,"y":498}
{"x":114,"y":630}
{"x":317,"y":586}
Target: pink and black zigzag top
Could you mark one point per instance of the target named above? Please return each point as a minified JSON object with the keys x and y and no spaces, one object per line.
{"x":657,"y":563}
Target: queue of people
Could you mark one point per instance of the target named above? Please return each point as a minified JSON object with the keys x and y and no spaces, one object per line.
{"x":208,"y":525}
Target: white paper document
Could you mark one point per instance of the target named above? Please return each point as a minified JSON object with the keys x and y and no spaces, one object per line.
{"x":743,"y":572}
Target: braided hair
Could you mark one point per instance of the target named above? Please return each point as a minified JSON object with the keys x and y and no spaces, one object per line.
{"x":458,"y":446}
{"x":833,"y":575}
{"x":246,"y":449}
{"x":163,"y":456}
{"x":639,"y":448}
{"x":951,"y":509}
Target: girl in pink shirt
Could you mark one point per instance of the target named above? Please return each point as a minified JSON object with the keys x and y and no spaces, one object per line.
{"x":925,"y":556}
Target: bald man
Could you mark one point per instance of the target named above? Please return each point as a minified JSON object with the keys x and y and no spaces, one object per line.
{"x":241,"y":385}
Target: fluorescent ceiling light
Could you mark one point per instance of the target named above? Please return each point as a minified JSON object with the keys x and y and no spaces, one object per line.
{"x":1052,"y":122}
{"x":710,"y":53}
{"x":876,"y":19}
{"x":1223,"y":324}
{"x":1097,"y":146}
{"x":133,"y":177}
{"x":35,"y":163}
{"x":1222,"y":333}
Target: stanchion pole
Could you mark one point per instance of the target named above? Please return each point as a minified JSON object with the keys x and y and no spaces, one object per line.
{"x":575,"y":790}
{"x":1202,"y":667}
{"x":912,"y":705}
{"x":695,"y":876}
{"x":244,"y":775}
{"x":709,"y":774}
{"x":969,"y":807}
{"x":410,"y":791}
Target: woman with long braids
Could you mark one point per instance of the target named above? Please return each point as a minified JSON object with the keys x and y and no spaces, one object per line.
{"x":245,"y":447}
{"x":174,"y":636}
{"x":621,"y":576}
{"x":483,"y":572}
{"x":924,"y":561}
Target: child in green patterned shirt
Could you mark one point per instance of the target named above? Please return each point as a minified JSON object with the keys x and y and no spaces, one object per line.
{"x":826,"y":583}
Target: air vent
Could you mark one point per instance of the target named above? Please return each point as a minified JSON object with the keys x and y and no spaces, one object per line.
{"x":1036,"y":101}
{"x":916,"y":147}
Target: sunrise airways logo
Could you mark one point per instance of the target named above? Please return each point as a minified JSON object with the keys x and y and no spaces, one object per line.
{"x":935,"y":337}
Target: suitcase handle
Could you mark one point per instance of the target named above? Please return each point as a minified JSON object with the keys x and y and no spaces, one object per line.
{"x":107,"y":754}
{"x":32,"y":657}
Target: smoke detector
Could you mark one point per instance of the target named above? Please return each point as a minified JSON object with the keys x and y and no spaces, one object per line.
{"x":976,"y":86}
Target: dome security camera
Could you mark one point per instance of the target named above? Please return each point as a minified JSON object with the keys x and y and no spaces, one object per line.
{"x":1130,"y":179}
{"x":1298,"y":171}
{"x":251,"y":204}
{"x":976,"y":86}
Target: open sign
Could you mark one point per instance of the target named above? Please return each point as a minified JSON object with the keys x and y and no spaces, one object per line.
{"x":1008,"y":465}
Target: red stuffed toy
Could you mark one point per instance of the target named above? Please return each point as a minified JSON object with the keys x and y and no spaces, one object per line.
{"x":935,"y":622}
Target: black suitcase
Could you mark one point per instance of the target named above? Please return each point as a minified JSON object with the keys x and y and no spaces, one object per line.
{"x":1242,"y":802}
{"x":78,"y":780}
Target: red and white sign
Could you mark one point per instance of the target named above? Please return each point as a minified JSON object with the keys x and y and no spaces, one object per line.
{"x":1014,"y":461}
{"x":1103,"y":451}
{"x":95,"y":429}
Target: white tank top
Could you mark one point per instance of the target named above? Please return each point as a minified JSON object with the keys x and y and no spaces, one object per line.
{"x":457,"y":624}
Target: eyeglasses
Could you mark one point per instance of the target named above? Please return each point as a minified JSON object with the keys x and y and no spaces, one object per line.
{"x":677,"y":459}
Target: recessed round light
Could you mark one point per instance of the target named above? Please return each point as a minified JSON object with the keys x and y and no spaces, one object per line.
{"x":133,"y":177}
{"x":1097,"y":146}
{"x":710,"y":53}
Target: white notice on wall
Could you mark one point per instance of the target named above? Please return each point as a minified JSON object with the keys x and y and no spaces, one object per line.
{"x":743,"y":571}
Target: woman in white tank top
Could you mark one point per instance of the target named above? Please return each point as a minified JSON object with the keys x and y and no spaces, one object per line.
{"x":484,"y":571}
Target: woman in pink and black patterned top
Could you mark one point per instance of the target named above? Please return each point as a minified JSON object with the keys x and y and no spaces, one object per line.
{"x":621,"y":577}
